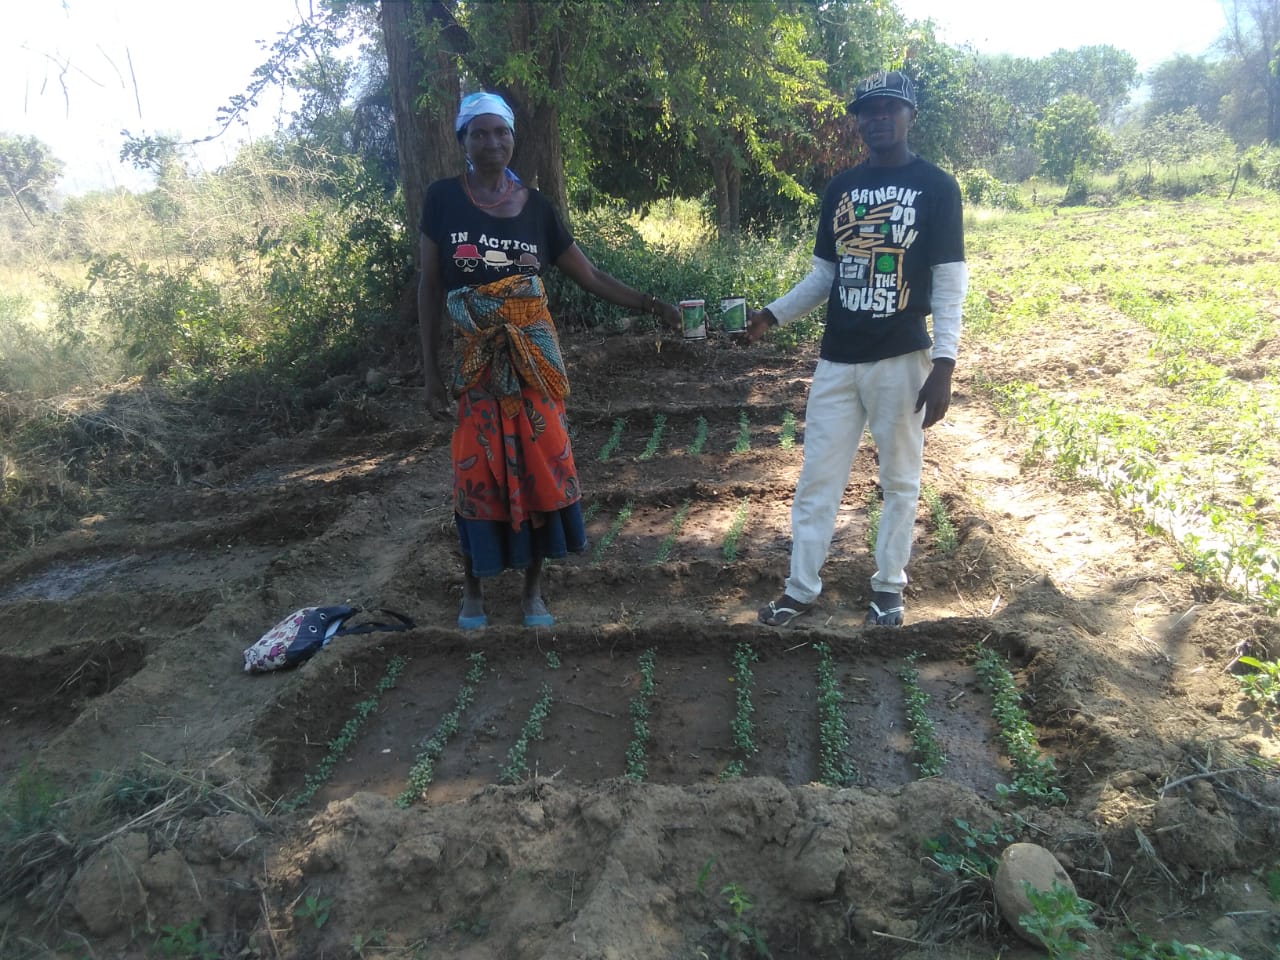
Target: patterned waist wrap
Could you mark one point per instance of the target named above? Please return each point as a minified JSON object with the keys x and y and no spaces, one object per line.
{"x":508,"y":341}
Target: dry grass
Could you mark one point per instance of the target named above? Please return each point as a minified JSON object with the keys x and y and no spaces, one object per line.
{"x":47,"y":838}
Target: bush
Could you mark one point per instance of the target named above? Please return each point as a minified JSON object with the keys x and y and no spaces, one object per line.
{"x":675,"y":257}
{"x":979,"y":187}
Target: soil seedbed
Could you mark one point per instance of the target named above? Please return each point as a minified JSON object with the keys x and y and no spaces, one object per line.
{"x":692,"y":689}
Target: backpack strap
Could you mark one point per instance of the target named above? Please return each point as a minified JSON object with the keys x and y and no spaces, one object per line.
{"x":404,"y":624}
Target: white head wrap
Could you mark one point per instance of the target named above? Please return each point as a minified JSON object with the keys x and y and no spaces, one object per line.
{"x":474,"y":104}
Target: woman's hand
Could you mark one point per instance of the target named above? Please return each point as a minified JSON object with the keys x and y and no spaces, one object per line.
{"x":439,"y":403}
{"x":669,"y":315}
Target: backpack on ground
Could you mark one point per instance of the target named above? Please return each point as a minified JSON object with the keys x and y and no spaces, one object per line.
{"x":304,"y":632}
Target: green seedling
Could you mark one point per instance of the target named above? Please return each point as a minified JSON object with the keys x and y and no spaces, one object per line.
{"x":1263,"y":685}
{"x":655,"y":438}
{"x":614,"y":442}
{"x":744,"y":434}
{"x":834,"y":769}
{"x":873,"y":518}
{"x":737,"y":932}
{"x":340,"y":744}
{"x":517,"y":767}
{"x":700,"y":437}
{"x":926,"y":751}
{"x":1057,"y":916}
{"x":619,"y":522}
{"x":743,"y":728}
{"x":640,"y":708}
{"x":787,"y":438}
{"x":730,"y":548}
{"x":186,"y":941}
{"x":945,"y":537}
{"x":1034,"y":774}
{"x":677,"y":524}
{"x":315,"y":909}
{"x":969,"y":852}
{"x":423,"y":770}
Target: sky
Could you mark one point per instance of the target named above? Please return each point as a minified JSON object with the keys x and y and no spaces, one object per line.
{"x":74,"y":73}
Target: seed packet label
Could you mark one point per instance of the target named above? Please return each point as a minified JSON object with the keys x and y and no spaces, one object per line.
{"x":733,"y":314}
{"x":694,"y":316}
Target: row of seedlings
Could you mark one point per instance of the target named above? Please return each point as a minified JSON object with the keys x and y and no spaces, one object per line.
{"x":702,"y":430}
{"x":423,"y":769}
{"x":340,"y":744}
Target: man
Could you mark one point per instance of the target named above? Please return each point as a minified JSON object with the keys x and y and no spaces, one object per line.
{"x":889,"y":251}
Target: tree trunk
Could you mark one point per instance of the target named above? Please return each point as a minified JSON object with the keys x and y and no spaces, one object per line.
{"x":424,"y":97}
{"x":539,"y":158}
{"x":728,"y":184}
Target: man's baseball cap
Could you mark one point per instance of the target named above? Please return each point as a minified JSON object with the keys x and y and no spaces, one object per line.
{"x":885,"y":83}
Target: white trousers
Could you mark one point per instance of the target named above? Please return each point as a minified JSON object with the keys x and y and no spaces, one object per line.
{"x":845,"y":399}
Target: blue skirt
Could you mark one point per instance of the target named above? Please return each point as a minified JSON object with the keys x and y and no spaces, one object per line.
{"x":493,"y":546}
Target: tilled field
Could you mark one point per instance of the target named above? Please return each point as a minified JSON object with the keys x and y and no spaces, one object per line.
{"x":616,"y":785}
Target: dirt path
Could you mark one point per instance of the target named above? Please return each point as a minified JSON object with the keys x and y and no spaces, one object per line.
{"x":126,"y":652}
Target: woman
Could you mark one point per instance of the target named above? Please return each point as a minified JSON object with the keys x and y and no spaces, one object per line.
{"x":486,"y":239}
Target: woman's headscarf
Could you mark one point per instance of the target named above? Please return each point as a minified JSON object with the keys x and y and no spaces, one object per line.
{"x":474,"y":104}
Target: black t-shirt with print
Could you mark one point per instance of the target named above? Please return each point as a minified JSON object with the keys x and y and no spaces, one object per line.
{"x":477,"y":248}
{"x":885,"y":228}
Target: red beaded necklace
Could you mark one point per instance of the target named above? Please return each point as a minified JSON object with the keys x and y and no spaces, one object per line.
{"x":506,"y":190}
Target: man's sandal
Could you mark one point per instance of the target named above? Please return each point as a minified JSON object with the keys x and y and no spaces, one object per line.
{"x":782,"y":611}
{"x":886,"y":610}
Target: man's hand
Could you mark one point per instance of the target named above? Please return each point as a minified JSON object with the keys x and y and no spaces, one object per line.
{"x":935,"y":396}
{"x":758,"y":323}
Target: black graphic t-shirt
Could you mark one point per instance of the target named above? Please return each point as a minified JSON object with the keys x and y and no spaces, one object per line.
{"x":477,"y":248}
{"x":885,"y":228}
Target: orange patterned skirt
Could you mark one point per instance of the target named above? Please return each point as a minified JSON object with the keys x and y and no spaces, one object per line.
{"x":515,"y":483}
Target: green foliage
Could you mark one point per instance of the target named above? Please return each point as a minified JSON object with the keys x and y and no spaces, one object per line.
{"x":28,"y":170}
{"x":982,"y":188}
{"x":1068,"y":136}
{"x":423,"y":770}
{"x":927,"y":752}
{"x":1263,"y":685}
{"x":340,"y":744}
{"x":729,"y":549}
{"x":1057,"y":915}
{"x":186,"y":941}
{"x":1034,"y":774}
{"x":316,"y":909}
{"x":970,"y":851}
{"x":1148,"y":949}
{"x":835,"y":769}
{"x":640,"y":709}
{"x":517,"y":767}
{"x":553,"y":660}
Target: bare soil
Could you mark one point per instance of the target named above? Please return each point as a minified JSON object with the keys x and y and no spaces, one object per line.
{"x":123,"y":641}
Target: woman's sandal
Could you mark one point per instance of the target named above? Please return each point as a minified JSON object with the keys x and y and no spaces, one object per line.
{"x":782,"y":611}
{"x":886,"y":610}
